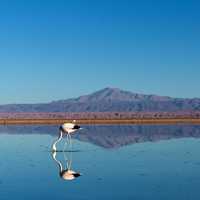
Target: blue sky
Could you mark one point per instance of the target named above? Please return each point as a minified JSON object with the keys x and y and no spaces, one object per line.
{"x":59,"y":49}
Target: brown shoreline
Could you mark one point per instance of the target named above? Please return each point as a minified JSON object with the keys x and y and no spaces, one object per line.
{"x":99,"y":121}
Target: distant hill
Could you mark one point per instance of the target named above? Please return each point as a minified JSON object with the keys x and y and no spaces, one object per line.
{"x":110,"y":100}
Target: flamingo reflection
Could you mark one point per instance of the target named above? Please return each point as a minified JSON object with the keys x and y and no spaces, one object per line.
{"x":66,"y":173}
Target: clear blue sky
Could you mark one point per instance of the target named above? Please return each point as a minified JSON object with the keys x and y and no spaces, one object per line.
{"x":59,"y":49}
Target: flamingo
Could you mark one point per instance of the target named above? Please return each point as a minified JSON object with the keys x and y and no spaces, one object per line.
{"x":66,"y":128}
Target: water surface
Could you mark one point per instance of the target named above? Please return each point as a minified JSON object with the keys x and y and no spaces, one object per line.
{"x":116,"y":162}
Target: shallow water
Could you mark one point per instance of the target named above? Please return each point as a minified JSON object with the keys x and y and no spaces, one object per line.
{"x":116,"y":162}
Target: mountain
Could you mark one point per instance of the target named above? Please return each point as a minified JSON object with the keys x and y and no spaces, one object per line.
{"x":110,"y":100}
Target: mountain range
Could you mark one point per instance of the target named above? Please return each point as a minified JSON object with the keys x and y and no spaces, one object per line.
{"x":110,"y":100}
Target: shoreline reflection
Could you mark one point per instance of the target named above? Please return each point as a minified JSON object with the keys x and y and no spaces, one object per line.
{"x":109,"y":136}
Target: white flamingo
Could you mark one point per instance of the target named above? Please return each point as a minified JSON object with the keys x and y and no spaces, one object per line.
{"x":68,"y":129}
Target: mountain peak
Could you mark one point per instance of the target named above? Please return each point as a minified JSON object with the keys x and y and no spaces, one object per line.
{"x":108,"y":94}
{"x":109,"y":90}
{"x":115,"y":95}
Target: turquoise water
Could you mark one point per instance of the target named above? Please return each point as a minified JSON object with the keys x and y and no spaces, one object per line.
{"x":115,"y":162}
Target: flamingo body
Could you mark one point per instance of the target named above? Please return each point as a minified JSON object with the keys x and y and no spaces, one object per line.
{"x":69,"y":128}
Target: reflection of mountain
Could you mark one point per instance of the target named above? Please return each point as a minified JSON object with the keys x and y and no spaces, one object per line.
{"x":115,"y":136}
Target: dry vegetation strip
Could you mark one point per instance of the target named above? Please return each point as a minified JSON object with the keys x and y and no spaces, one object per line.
{"x":100,"y":121}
